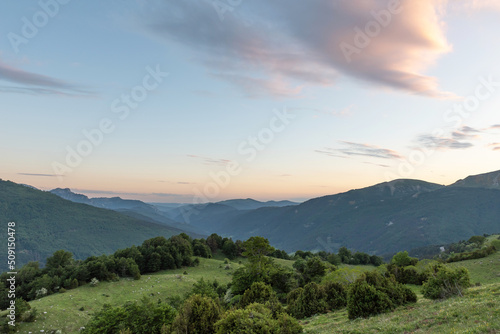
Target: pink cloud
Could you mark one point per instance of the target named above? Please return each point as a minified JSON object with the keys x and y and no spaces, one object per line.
{"x":295,"y":44}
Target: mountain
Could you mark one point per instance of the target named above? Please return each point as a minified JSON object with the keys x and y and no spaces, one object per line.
{"x":381,"y":219}
{"x":46,"y":223}
{"x":132,"y":208}
{"x":251,"y":204}
{"x":488,"y":181}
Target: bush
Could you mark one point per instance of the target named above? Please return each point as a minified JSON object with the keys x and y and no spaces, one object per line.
{"x":256,"y":319}
{"x":142,"y":317}
{"x":477,"y":254}
{"x":259,"y":292}
{"x":198,"y":314}
{"x":364,"y":300}
{"x":379,"y":294}
{"x":94,"y":282}
{"x":445,"y":282}
{"x":336,"y":296}
{"x":307,"y":301}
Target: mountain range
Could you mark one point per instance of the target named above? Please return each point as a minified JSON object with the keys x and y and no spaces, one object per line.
{"x":381,"y":219}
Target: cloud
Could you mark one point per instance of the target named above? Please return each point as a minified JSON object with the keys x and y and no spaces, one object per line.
{"x":494,"y":146}
{"x":176,"y":182}
{"x":210,"y":161}
{"x":24,"y":82}
{"x":293,"y":44}
{"x":442,"y":143}
{"x":43,"y":175}
{"x":357,"y":149}
{"x":465,"y":132}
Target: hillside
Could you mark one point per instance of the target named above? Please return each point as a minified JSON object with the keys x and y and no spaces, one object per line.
{"x":477,"y":312}
{"x":46,"y":223}
{"x":488,"y":180}
{"x":133,"y":208}
{"x":381,"y":219}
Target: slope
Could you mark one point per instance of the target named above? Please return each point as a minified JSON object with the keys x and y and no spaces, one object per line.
{"x":46,"y":223}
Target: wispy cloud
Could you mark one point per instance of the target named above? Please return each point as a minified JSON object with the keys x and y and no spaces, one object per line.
{"x":210,"y":161}
{"x":295,"y":44}
{"x":23,"y":82}
{"x":442,"y":143}
{"x":176,"y":182}
{"x":357,"y":149}
{"x":494,"y":146}
{"x":41,"y":175}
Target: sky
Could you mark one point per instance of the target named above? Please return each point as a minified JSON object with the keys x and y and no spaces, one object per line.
{"x":195,"y":101}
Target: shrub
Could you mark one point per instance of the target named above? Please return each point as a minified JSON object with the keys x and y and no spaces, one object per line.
{"x":378,"y":294}
{"x":94,"y":282}
{"x":204,"y":288}
{"x":307,"y":301}
{"x":336,"y":296}
{"x":198,"y":314}
{"x":364,"y":300}
{"x":142,"y":317}
{"x":445,"y":282}
{"x":256,"y":319}
{"x":259,"y":292}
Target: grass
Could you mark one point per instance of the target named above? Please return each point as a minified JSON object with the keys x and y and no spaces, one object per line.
{"x":484,"y":271}
{"x":62,"y":310}
{"x":477,"y":312}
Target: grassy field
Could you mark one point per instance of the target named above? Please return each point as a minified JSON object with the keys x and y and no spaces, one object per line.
{"x":62,"y":310}
{"x":484,"y":271}
{"x":477,"y":312}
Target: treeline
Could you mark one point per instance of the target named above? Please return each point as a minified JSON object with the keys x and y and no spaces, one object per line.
{"x":344,"y":256}
{"x":62,"y":272}
{"x":444,"y":252}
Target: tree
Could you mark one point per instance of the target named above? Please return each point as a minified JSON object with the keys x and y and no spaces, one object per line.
{"x":259,"y":292}
{"x":214,"y":241}
{"x":345,"y":255}
{"x":198,"y":314}
{"x":256,"y":249}
{"x":229,"y":249}
{"x":59,"y":260}
{"x":402,"y":259}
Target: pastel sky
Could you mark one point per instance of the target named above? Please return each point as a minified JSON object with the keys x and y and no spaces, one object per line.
{"x":205,"y":100}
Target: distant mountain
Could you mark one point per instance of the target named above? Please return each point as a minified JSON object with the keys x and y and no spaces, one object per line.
{"x":384,"y":218}
{"x":132,"y":208}
{"x":46,"y":223}
{"x":488,"y":181}
{"x":251,"y":204}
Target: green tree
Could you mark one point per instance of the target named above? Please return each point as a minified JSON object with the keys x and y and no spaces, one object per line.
{"x":345,"y":255}
{"x":229,"y":249}
{"x":198,"y":314}
{"x":259,"y":292}
{"x":402,"y":259}
{"x":256,"y":249}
